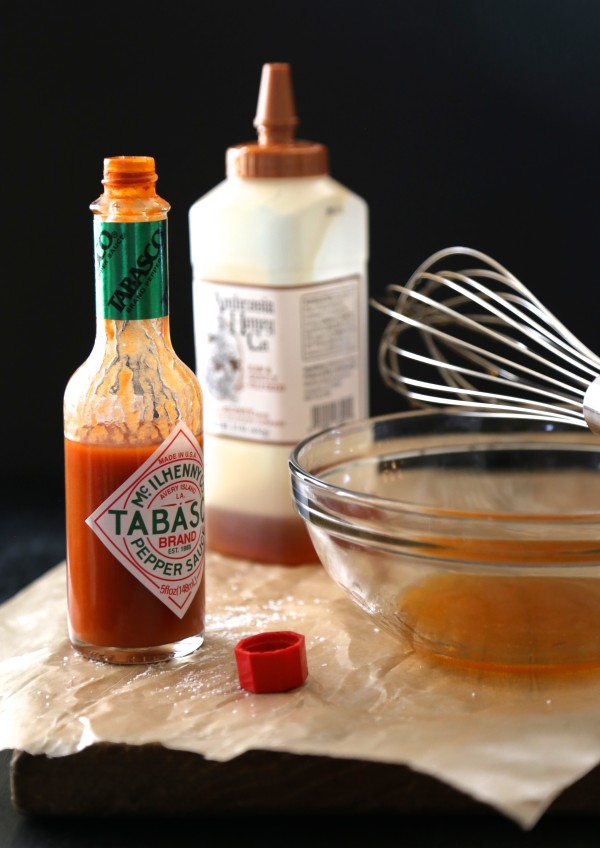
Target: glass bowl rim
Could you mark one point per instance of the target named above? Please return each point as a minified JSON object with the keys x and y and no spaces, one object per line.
{"x":309,"y":478}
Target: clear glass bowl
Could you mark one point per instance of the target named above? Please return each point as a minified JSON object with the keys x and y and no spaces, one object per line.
{"x":475,"y":539}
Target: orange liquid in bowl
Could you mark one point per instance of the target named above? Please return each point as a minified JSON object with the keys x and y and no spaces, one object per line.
{"x":525,"y":622}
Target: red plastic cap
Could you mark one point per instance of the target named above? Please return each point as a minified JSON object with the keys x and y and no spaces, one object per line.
{"x":272,"y":662}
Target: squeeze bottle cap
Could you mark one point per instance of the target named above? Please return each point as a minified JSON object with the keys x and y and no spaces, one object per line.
{"x":277,"y":152}
{"x":273,"y":661}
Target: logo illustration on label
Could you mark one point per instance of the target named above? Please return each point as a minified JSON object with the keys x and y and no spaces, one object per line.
{"x":154,"y":523}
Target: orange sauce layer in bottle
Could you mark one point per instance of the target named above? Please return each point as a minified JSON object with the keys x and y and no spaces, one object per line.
{"x":107,"y":604}
{"x":283,"y":541}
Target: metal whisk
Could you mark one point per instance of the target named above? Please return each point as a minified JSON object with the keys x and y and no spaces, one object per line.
{"x":490,"y":343}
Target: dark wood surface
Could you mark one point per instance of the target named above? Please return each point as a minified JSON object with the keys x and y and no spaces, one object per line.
{"x":150,"y":779}
{"x":125,"y":797}
{"x":134,"y":780}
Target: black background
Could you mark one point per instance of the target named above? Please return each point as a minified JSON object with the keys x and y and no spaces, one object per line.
{"x":461,"y":122}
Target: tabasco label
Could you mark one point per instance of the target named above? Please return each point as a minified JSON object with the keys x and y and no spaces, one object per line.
{"x":154,"y":523}
{"x":131,"y":269}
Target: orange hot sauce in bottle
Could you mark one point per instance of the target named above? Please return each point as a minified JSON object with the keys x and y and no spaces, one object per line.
{"x":133,"y":427}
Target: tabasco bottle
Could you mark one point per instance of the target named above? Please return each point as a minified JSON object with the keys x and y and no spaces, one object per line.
{"x":133,"y":427}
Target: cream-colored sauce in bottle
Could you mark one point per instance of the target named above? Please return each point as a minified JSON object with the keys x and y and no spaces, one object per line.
{"x":279,"y":253}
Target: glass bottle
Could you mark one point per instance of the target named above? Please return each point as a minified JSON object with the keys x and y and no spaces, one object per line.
{"x":133,"y":427}
{"x":279,"y":253}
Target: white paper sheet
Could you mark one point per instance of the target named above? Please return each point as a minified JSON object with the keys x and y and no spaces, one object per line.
{"x":512,"y":742}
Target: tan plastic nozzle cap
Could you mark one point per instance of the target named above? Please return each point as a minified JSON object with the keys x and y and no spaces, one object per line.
{"x":276,"y":118}
{"x":277,"y":153}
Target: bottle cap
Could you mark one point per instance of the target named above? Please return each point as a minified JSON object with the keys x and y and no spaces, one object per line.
{"x":277,"y":153}
{"x":129,"y":181}
{"x":129,"y":169}
{"x":272,"y":662}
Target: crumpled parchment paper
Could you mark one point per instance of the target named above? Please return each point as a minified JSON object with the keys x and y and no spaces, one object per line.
{"x":512,"y":742}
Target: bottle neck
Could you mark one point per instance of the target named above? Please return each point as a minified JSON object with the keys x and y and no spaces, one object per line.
{"x":130,"y":253}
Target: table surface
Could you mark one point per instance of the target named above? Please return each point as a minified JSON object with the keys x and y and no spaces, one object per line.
{"x":31,"y":542}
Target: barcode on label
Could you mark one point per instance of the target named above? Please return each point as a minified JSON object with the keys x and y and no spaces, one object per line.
{"x":334,"y":412}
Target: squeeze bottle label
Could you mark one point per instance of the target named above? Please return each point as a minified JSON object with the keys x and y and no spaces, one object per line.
{"x":279,"y":363}
{"x":154,"y":523}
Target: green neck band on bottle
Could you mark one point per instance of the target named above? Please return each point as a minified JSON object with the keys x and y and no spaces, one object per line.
{"x":132,"y":280}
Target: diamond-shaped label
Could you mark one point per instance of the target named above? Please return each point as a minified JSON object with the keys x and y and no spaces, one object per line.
{"x":154,"y":523}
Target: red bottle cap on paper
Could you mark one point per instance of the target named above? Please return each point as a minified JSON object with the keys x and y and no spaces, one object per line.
{"x":272,"y":662}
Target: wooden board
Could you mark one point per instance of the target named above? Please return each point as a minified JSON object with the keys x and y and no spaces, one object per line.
{"x":108,"y":779}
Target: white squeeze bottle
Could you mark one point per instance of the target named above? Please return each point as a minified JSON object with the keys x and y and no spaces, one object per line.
{"x":279,"y":254}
